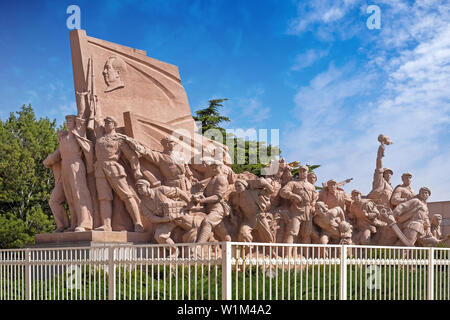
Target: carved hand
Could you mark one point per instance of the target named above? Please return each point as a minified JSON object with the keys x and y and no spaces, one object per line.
{"x":183,"y":196}
{"x":381,"y":149}
{"x":47,"y":163}
{"x":84,"y":93}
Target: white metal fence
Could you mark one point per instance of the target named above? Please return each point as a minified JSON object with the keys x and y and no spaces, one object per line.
{"x":226,"y":270}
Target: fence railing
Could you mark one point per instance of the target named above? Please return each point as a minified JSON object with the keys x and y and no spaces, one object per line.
{"x":226,"y":270}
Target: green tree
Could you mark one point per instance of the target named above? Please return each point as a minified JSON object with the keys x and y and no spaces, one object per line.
{"x":25,"y":184}
{"x":211,"y":118}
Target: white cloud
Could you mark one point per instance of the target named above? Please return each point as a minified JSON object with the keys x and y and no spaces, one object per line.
{"x":308,"y":58}
{"x":251,"y":108}
{"x":322,"y":16}
{"x":413,"y":51}
{"x":67,"y":109}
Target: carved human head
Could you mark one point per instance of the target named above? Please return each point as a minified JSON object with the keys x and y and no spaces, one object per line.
{"x":168,"y":143}
{"x":216,"y":167}
{"x":80,"y":125}
{"x":143,"y":187}
{"x":332,"y":186}
{"x":303,"y":172}
{"x":321,"y":207}
{"x":424,"y":193}
{"x":387,"y":174}
{"x":112,"y":71}
{"x":356,"y":196}
{"x":436,"y":220}
{"x":312,"y":178}
{"x":110,"y":123}
{"x":241,"y":185}
{"x":70,"y":122}
{"x":407,"y":178}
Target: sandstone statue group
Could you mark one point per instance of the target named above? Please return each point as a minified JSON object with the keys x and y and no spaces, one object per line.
{"x":111,"y":182}
{"x":207,"y":201}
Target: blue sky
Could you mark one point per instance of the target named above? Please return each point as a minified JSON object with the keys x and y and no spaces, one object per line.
{"x":311,"y":69}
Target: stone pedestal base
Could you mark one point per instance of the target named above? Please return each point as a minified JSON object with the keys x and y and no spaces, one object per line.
{"x":90,"y":239}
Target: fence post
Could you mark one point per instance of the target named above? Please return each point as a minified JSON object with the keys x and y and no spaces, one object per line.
{"x":431,"y":274}
{"x":343,"y":274}
{"x":111,"y":274}
{"x":27,"y":274}
{"x":226,"y":270}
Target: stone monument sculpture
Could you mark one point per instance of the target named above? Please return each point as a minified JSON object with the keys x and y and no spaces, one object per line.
{"x":110,"y":175}
{"x":436,"y":226}
{"x":175,"y":171}
{"x":333,"y":196}
{"x":252,"y":200}
{"x":73,"y":178}
{"x":160,"y":207}
{"x":112,"y":73}
{"x":412,"y":217}
{"x":381,"y":187}
{"x":403,"y":192}
{"x":302,"y":196}
{"x":346,"y":231}
{"x":212,"y":199}
{"x":132,"y":160}
{"x":366,"y":215}
{"x":328,"y":220}
{"x":57,"y":197}
{"x":312,"y":178}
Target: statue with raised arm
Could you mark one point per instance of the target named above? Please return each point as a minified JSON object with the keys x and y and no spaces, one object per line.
{"x":381,"y":186}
